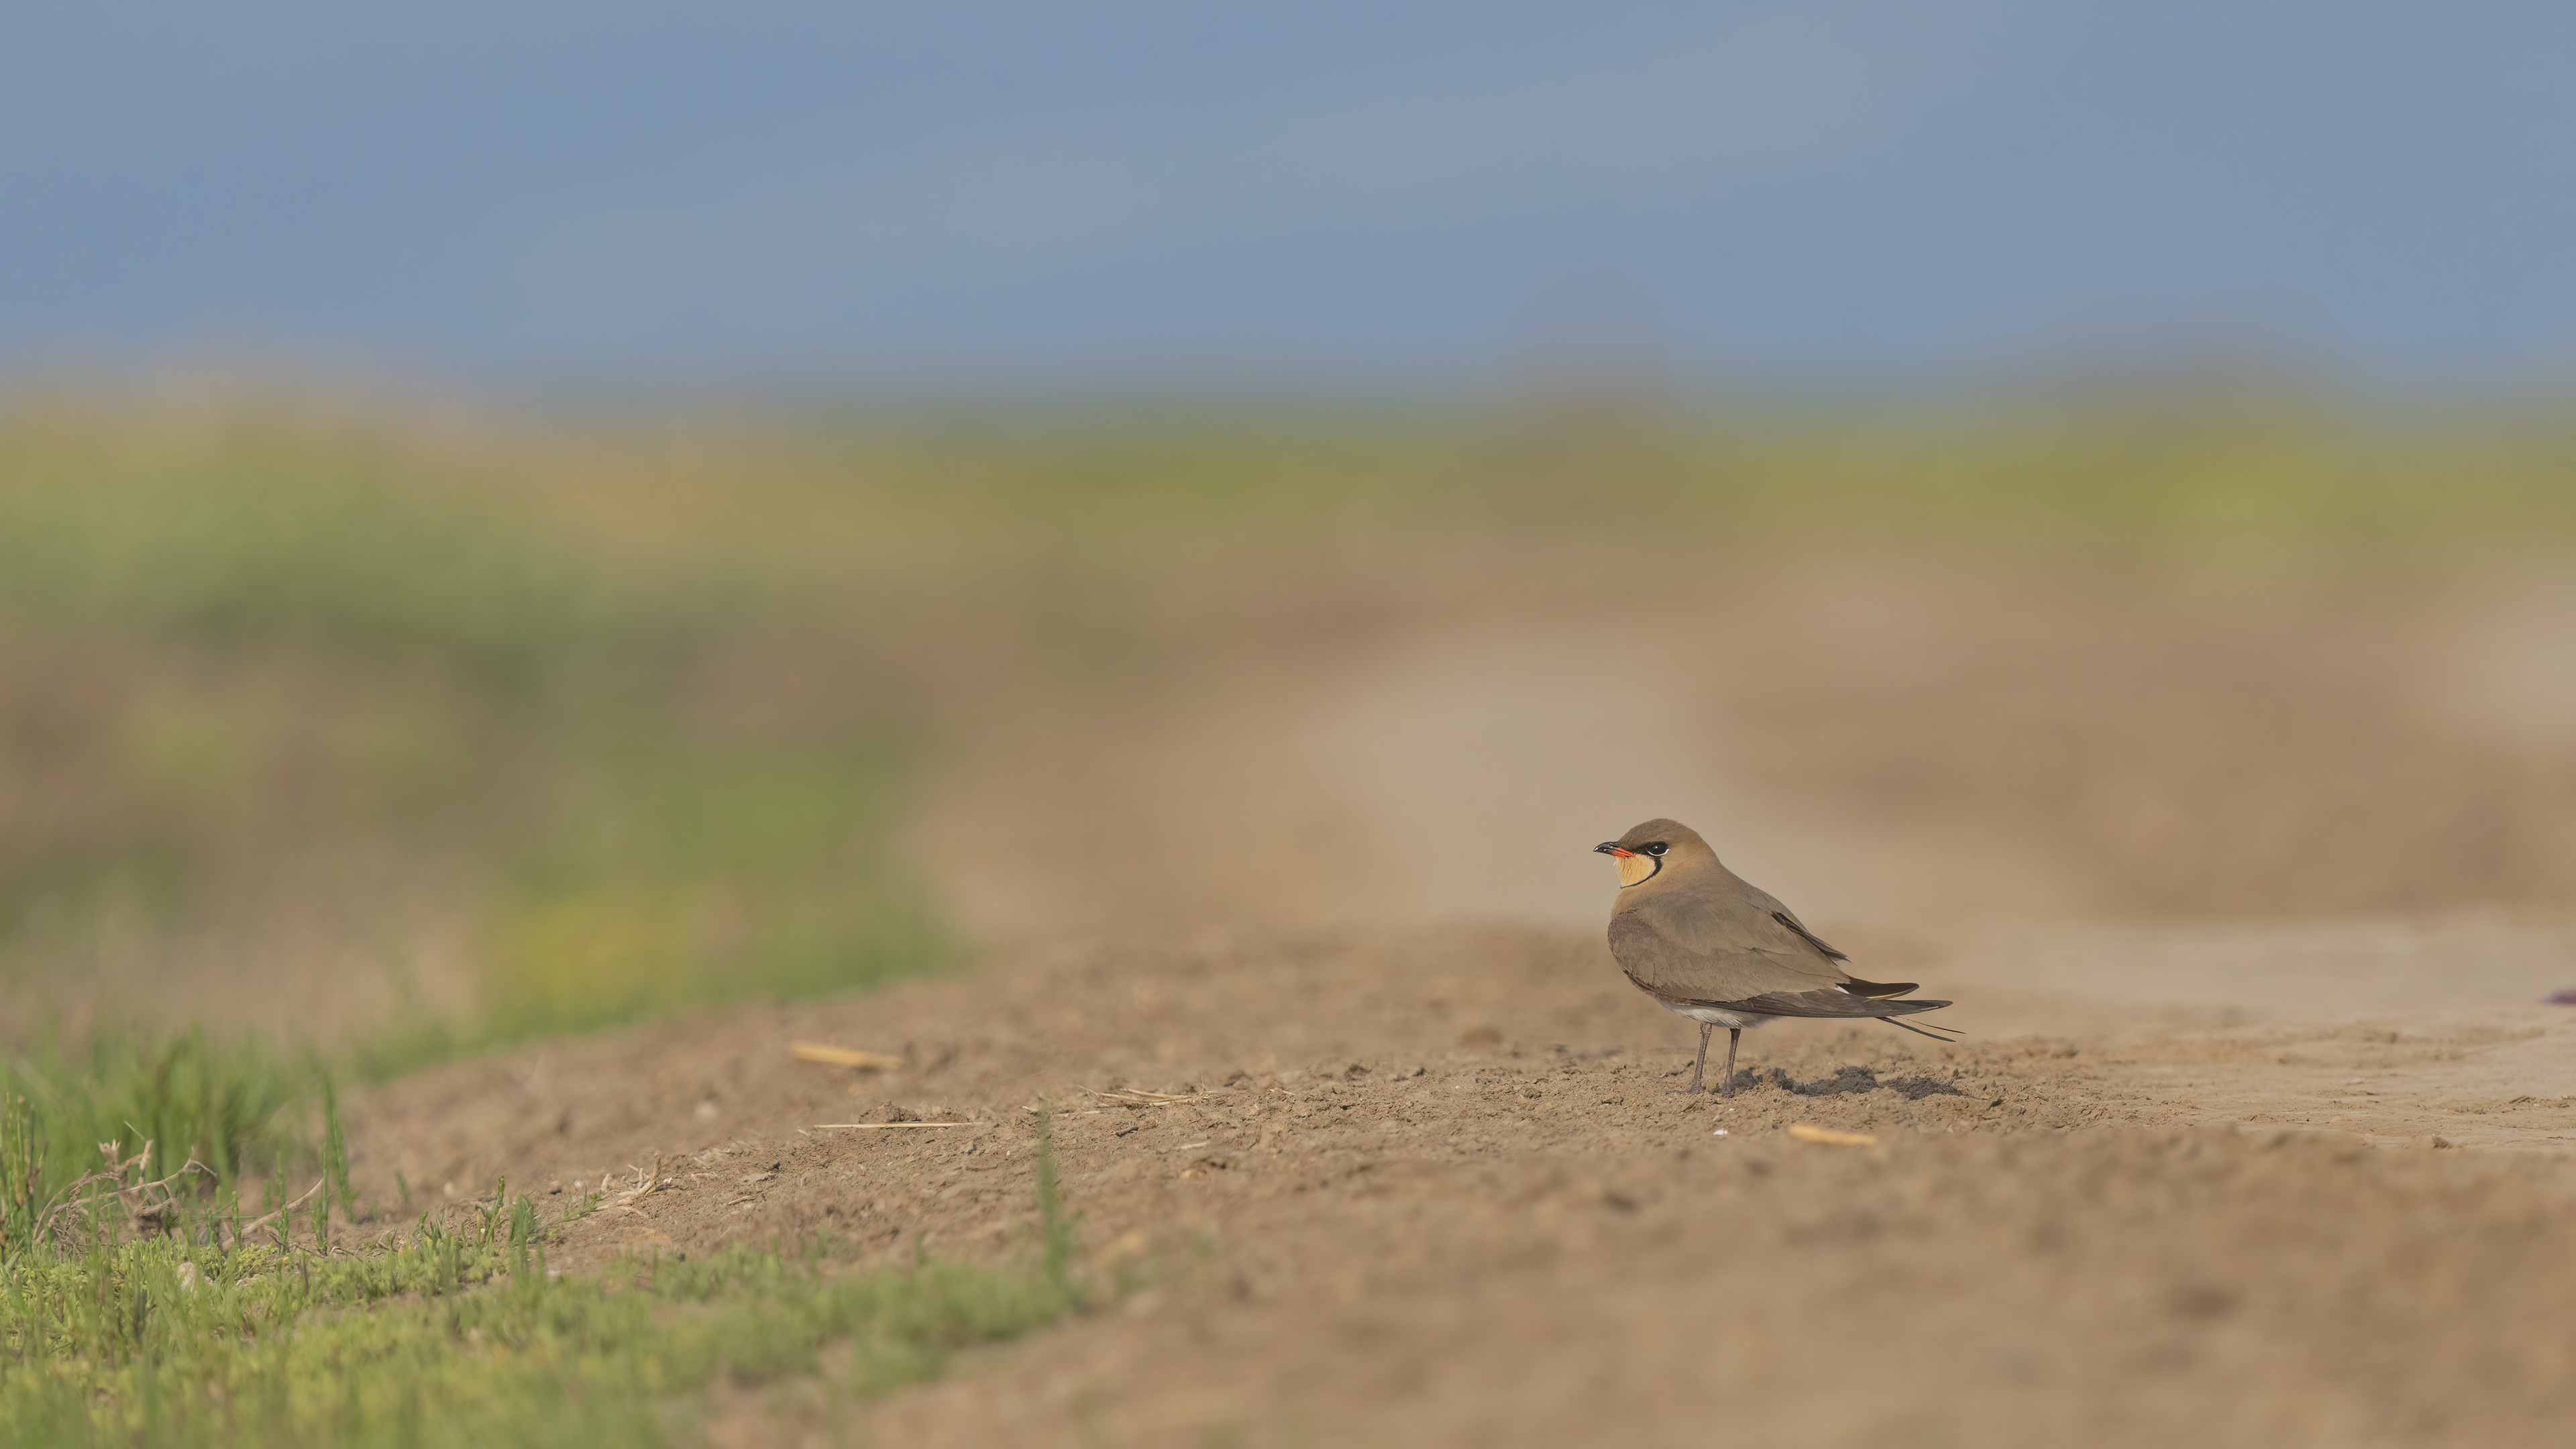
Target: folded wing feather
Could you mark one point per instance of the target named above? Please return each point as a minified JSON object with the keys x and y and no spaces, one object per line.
{"x":1718,"y":946}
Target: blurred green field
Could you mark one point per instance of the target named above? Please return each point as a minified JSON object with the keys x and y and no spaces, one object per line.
{"x":557,"y":723}
{"x":262,"y":676}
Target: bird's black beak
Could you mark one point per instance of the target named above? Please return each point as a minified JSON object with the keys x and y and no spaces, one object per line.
{"x":1610,"y":847}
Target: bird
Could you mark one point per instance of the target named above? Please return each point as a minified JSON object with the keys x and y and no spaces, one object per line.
{"x":1709,"y":945}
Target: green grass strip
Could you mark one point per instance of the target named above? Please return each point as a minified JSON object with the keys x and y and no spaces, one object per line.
{"x":465,"y":1338}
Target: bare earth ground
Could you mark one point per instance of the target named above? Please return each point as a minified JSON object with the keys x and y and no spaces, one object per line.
{"x":1355,"y":1229}
{"x":1350,"y":1094}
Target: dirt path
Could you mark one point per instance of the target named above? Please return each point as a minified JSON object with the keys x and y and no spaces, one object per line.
{"x":1412,"y":1171}
{"x":1353,"y":1228}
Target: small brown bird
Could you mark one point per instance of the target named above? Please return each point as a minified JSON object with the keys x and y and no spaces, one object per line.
{"x":1706,"y":944}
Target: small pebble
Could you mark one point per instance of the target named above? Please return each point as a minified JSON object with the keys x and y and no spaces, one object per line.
{"x":1720,"y":1132}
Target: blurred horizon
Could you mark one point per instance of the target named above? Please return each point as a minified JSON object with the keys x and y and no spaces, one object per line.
{"x":517,"y":520}
{"x":1424,"y":199}
{"x":431,"y":734}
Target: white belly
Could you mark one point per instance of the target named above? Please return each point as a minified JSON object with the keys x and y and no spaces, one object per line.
{"x":1716,"y":1015}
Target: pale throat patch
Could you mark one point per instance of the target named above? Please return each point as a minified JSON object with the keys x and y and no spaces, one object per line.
{"x":1634,"y":868}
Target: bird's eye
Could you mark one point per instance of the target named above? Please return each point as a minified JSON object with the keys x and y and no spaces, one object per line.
{"x":1656,"y":847}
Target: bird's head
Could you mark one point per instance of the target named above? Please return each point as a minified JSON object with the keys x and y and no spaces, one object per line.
{"x":1644,"y":852}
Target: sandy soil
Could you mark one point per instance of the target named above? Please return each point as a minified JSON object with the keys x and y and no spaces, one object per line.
{"x":1437,"y":1189}
{"x":1411,"y":1170}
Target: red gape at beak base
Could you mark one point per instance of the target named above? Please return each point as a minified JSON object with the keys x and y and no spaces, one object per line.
{"x":1634,"y":868}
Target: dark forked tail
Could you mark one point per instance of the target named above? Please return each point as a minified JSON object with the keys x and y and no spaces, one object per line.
{"x":1883,"y":989}
{"x":1841,"y":1001}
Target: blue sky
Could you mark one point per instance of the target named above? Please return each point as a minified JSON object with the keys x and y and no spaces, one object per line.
{"x":1401,"y":192}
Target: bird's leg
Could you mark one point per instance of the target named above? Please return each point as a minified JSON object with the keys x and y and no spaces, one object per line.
{"x":1734,"y":1034}
{"x":1702,"y":1062}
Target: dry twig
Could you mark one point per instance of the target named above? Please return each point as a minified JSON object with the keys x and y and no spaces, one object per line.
{"x":833,"y":1056}
{"x":645,"y":1182}
{"x":1828,"y":1137}
{"x":1131,"y":1097}
{"x":275,"y":1213}
{"x":148,"y":1203}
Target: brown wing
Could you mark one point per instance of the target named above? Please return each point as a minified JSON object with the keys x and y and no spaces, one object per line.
{"x":1725,"y":943}
{"x":1733,"y":945}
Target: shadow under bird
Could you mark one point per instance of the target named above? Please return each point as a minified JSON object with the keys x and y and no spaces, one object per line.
{"x":1709,"y":945}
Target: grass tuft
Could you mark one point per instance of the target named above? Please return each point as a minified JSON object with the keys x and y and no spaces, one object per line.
{"x":1055,"y":1225}
{"x":188,"y":1109}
